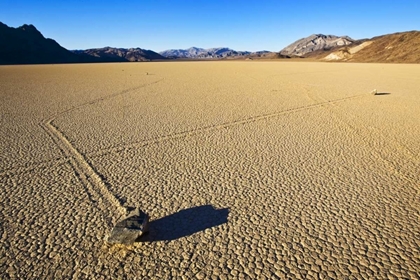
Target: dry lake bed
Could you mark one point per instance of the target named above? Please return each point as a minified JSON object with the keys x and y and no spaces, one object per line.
{"x":248,"y":170}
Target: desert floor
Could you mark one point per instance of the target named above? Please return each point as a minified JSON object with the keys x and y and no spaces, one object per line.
{"x":258,"y":170}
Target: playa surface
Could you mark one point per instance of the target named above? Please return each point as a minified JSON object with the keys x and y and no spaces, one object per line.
{"x":257,"y":170}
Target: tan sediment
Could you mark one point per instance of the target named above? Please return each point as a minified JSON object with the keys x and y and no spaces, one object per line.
{"x":320,"y":177}
{"x":354,"y":50}
{"x":347,"y":52}
{"x":219,"y":126}
{"x":84,"y":170}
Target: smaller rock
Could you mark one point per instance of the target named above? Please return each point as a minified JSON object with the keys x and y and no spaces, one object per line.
{"x":374,"y":92}
{"x":128,"y":230}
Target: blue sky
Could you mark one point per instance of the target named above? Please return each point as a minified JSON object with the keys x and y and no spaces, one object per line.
{"x":242,"y":25}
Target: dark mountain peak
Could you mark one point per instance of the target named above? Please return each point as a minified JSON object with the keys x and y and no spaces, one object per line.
{"x":29,"y":30}
{"x":28,"y":27}
{"x":26,"y":45}
{"x":25,"y":27}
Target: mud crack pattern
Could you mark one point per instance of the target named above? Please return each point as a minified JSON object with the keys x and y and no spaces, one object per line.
{"x":249,"y":170}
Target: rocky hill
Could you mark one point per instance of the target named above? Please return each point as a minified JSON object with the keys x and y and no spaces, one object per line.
{"x":121,"y":54}
{"x":403,"y":47}
{"x":212,"y":53}
{"x":26,"y":45}
{"x":315,"y":42}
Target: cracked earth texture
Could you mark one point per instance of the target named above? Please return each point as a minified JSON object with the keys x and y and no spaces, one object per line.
{"x":248,"y":170}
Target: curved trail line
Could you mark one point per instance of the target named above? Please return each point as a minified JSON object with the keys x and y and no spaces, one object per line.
{"x":96,"y":188}
{"x":148,"y":142}
{"x":28,"y":166}
{"x":97,"y":100}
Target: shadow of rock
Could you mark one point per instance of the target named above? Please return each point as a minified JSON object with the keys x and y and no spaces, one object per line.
{"x":383,"y":93}
{"x":185,"y":223}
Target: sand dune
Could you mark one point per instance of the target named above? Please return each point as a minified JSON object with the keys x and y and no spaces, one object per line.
{"x":257,"y":170}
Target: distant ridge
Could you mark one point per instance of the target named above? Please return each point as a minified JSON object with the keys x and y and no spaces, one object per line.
{"x":211,"y":53}
{"x":26,"y":45}
{"x":132,"y":54}
{"x":315,"y":42}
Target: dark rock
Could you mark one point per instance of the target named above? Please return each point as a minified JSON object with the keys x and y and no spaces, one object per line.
{"x":128,"y":230}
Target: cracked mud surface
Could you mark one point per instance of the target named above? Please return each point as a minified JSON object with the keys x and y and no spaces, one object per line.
{"x":247,"y":170}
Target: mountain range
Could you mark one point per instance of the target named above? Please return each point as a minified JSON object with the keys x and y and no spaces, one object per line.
{"x":121,"y":54}
{"x":26,"y":45}
{"x":199,"y":53}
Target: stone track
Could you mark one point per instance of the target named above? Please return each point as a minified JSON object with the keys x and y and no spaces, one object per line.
{"x":248,"y":170}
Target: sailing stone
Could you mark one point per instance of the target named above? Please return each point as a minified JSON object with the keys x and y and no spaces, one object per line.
{"x":128,"y":230}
